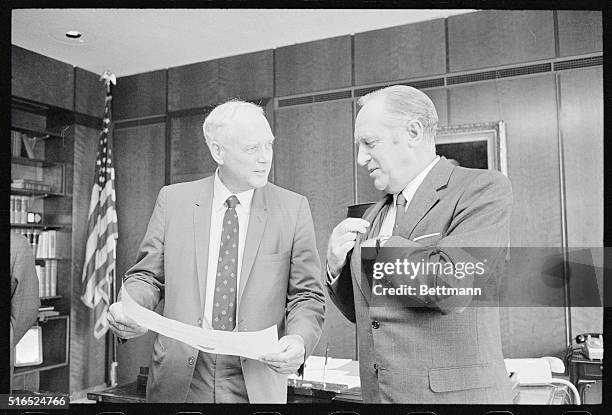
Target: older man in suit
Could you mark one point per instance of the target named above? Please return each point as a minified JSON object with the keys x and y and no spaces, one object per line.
{"x":228,"y":252}
{"x":428,"y":348}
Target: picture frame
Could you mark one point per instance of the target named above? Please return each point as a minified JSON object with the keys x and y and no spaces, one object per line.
{"x":481,"y":145}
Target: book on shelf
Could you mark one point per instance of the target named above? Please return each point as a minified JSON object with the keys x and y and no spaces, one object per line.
{"x":24,"y":184}
{"x":47,"y":278}
{"x":47,"y":243}
{"x":16,"y":143}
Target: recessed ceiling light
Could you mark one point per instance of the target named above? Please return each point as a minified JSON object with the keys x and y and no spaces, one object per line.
{"x":73,"y":34}
{"x":70,"y":36}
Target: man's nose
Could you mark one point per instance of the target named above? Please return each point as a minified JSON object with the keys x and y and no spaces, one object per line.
{"x":362,"y":156}
{"x":264,"y":155}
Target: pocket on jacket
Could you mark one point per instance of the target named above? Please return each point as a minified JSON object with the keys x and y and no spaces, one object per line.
{"x":450,"y":379}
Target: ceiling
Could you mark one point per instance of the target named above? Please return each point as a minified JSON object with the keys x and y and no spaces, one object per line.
{"x":129,"y":41}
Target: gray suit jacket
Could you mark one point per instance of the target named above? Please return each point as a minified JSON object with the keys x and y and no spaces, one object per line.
{"x":279,"y":281}
{"x":24,"y":291}
{"x":437,"y":350}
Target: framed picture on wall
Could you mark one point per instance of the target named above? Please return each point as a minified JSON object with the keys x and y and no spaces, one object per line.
{"x":480,"y":146}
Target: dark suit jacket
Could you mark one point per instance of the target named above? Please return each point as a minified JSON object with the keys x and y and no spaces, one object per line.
{"x":279,"y":282}
{"x":437,"y":350}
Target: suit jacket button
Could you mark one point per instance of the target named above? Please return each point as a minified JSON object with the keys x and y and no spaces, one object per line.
{"x":191,"y":361}
{"x":375,"y":324}
{"x":199,"y":322}
{"x":376,"y":367}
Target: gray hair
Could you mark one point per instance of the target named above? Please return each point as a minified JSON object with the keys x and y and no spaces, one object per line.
{"x":222,"y":115}
{"x":404,"y":103}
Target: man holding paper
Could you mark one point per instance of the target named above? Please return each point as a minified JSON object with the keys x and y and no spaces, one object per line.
{"x":421,"y":347}
{"x":228,"y":252}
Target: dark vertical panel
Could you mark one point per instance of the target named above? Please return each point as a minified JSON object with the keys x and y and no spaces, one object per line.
{"x":528,"y":107}
{"x":581,"y":122}
{"x":190,"y":158}
{"x":314,"y":157}
{"x":90,"y":93}
{"x":41,"y":79}
{"x":86,"y":353}
{"x":140,"y":95}
{"x":366,"y":192}
{"x":248,"y":76}
{"x":313,"y":66}
{"x":499,"y":37}
{"x":140,"y":155}
{"x":580,"y":31}
{"x":193,"y":86}
{"x":401,"y":52}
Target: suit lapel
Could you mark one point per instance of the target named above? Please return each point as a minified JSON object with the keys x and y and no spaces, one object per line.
{"x":257,"y":224}
{"x":201,"y":229}
{"x":426,"y":196}
{"x":370,"y":215}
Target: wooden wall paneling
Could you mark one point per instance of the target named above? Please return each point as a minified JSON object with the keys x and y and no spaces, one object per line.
{"x":314,"y":158}
{"x":581,"y":121}
{"x":42,"y":79}
{"x":580,"y":31}
{"x":86,"y":353}
{"x":90,"y":93}
{"x":189,"y":155}
{"x":409,"y":51}
{"x":313,"y":66}
{"x":140,"y":154}
{"x":193,"y":86}
{"x":528,"y":107}
{"x":366,"y":192}
{"x":140,"y":95}
{"x":247,"y":76}
{"x":499,"y":37}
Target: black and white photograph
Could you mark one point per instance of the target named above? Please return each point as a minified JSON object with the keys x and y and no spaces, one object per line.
{"x":306,"y":206}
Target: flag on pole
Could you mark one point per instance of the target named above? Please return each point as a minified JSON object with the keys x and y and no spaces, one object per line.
{"x":100,"y":254}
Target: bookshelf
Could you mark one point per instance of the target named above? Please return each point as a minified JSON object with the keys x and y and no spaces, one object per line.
{"x":41,"y":203}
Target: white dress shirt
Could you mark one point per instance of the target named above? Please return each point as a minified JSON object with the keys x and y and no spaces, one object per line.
{"x":386,"y":228}
{"x":243,"y":210}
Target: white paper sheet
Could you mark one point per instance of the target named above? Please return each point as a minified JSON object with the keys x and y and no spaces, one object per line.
{"x":249,"y":344}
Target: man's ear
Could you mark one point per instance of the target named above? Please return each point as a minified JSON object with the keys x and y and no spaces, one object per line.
{"x":415,"y":130}
{"x":216,"y":151}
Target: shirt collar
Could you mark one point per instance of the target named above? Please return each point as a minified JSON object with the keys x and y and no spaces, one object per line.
{"x":221,"y":193}
{"x":414,"y":184}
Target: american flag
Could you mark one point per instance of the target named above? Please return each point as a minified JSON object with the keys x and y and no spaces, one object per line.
{"x":100,"y":254}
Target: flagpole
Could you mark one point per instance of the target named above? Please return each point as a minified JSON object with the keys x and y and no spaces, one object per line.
{"x":113,"y":365}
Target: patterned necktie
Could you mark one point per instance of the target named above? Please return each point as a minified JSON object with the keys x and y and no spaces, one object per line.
{"x":400,"y":211}
{"x":224,"y":310}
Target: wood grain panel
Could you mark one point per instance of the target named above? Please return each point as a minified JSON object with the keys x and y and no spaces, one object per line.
{"x":248,"y":76}
{"x":189,"y":155}
{"x":42,"y":79}
{"x":140,"y":95}
{"x":313,"y":156}
{"x":193,"y":86}
{"x":581,"y":98}
{"x":90,"y":93}
{"x":366,"y":192}
{"x":86,"y":353}
{"x":499,"y":37}
{"x":141,"y":155}
{"x":313,"y":66}
{"x":401,"y":52}
{"x":528,"y":107}
{"x":580,"y":31}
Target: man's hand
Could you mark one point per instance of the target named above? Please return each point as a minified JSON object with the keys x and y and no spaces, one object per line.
{"x":342,"y":240}
{"x":290,"y":357}
{"x":123,"y":326}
